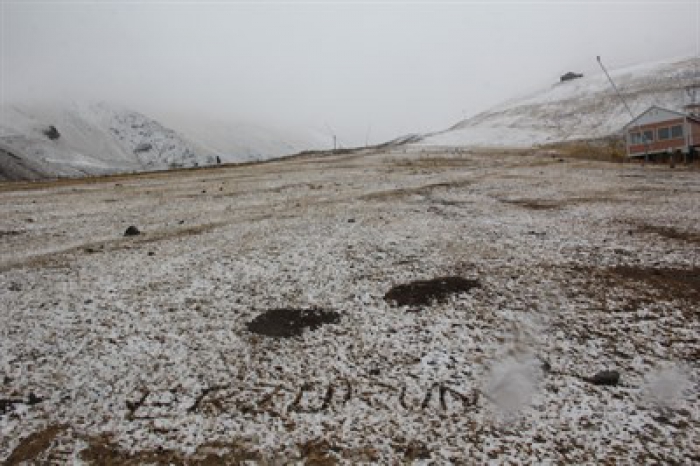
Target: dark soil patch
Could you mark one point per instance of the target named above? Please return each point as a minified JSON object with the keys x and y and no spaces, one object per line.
{"x":671,"y":233}
{"x":34,"y":445}
{"x":425,"y":292}
{"x":317,"y":453}
{"x":284,"y":323}
{"x":417,"y":190}
{"x":672,"y":283}
{"x":533,"y":204}
{"x":9,"y":233}
{"x":103,"y":452}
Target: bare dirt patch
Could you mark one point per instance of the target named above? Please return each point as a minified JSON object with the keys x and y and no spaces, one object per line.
{"x":285,"y":323}
{"x":34,"y":445}
{"x":547,"y":204}
{"x":426,"y":292}
{"x":671,"y":283}
{"x":393,"y":194}
{"x":533,"y":204}
{"x":103,"y":452}
{"x":436,"y":162}
{"x":671,"y":233}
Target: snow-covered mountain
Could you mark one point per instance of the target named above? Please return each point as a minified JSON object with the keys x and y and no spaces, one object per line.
{"x":584,"y":108}
{"x":77,"y":139}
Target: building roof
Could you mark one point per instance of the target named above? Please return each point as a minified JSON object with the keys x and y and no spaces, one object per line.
{"x":656,"y":107}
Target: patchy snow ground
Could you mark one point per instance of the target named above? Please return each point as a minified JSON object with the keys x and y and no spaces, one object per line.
{"x":136,"y":349}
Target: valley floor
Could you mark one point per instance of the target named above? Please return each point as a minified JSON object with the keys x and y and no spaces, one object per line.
{"x":133,"y":350}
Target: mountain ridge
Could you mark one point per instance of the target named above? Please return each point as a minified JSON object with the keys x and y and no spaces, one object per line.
{"x":69,"y":139}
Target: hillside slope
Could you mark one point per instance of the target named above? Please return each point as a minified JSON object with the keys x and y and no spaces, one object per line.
{"x":580,"y":109}
{"x":89,"y":139}
{"x":78,"y":139}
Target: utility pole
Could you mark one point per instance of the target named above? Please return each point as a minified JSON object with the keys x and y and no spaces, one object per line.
{"x":624,"y":102}
{"x":332,"y":133}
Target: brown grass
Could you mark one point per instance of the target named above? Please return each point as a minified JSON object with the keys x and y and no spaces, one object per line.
{"x":32,"y":446}
{"x":533,"y":204}
{"x":650,"y":284}
{"x":671,"y":233}
{"x":102,"y":452}
{"x":605,"y":150}
{"x":397,"y":193}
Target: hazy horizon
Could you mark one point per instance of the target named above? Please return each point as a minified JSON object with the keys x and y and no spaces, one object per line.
{"x":370,"y":71}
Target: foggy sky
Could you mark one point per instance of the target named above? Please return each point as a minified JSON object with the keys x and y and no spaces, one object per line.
{"x":378,"y":68}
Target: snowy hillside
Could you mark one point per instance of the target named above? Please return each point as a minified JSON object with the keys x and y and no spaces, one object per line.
{"x":76,"y":139}
{"x":579,"y":109}
{"x":88,"y":139}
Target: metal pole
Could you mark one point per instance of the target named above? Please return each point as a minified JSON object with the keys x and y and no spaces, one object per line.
{"x":624,"y":102}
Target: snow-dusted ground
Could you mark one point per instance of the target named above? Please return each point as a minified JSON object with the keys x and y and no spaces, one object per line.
{"x":135,"y":349}
{"x":585,"y":108}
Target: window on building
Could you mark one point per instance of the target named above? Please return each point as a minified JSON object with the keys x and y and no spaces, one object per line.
{"x":664,"y":133}
{"x":676,"y":132}
{"x":643,"y":137}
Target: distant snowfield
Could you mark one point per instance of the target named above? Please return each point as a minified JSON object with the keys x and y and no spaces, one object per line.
{"x":585,"y":108}
{"x":101,"y":138}
{"x":136,"y":350}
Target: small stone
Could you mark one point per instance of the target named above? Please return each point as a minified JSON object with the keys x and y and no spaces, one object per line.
{"x":151,"y":253}
{"x":132,"y":231}
{"x":608,"y":378}
{"x":351,"y":220}
{"x":545,"y":366}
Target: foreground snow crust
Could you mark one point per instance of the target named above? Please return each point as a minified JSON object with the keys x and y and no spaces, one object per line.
{"x":139,"y":344}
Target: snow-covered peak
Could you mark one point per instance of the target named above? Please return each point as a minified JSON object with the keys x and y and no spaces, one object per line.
{"x":76,"y":138}
{"x":86,"y":139}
